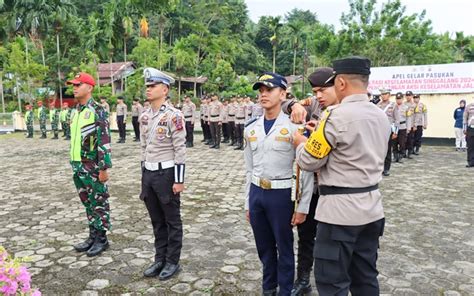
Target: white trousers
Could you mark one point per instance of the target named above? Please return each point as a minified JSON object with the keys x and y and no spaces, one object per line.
{"x":460,"y":138}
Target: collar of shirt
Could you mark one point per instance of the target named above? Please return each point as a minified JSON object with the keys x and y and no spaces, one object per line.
{"x":355,"y":98}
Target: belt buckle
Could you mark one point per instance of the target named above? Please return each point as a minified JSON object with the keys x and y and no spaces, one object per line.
{"x":266,"y":184}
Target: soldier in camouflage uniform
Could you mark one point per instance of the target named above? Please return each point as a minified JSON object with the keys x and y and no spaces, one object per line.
{"x":90,"y":159}
{"x":54,"y":119}
{"x":29,"y":120}
{"x":42,"y":119}
{"x":62,"y":117}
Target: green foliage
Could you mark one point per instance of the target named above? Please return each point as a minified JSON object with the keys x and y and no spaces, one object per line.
{"x":214,"y":38}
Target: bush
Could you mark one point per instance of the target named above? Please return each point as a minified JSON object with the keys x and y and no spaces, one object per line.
{"x":14,"y":278}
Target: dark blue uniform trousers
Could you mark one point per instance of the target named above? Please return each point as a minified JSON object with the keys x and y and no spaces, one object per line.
{"x":345,"y":259}
{"x":270,"y":216}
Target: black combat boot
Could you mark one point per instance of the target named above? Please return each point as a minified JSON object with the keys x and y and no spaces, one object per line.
{"x":302,"y":285}
{"x":87,"y":244}
{"x":225,"y":140}
{"x":238,"y":146}
{"x":232,"y":143}
{"x":217,"y":146}
{"x":409,"y":153}
{"x":100,"y":244}
{"x":417,"y":150}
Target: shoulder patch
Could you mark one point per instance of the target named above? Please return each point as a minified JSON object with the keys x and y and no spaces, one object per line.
{"x":251,"y":121}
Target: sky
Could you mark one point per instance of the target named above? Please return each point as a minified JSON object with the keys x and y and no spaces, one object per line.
{"x":446,"y":16}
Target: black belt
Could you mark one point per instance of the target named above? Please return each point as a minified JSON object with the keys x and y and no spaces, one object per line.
{"x":215,"y":115}
{"x":240,"y":117}
{"x":231,"y":115}
{"x":403,"y":122}
{"x":189,"y":116}
{"x":329,"y":190}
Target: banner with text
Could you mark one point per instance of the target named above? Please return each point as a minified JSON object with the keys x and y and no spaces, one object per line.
{"x":424,"y":79}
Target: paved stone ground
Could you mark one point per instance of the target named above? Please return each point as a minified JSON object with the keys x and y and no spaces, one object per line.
{"x":427,"y":249}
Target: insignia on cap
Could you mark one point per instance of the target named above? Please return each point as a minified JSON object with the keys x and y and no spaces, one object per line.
{"x":265,"y":77}
{"x":147,"y":74}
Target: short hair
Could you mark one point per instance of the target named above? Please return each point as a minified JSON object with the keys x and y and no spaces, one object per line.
{"x":120,"y":98}
{"x":360,"y":78}
{"x":136,"y":99}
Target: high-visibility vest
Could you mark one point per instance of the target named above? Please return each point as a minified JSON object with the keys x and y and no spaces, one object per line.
{"x":52,"y":113}
{"x":82,"y":123}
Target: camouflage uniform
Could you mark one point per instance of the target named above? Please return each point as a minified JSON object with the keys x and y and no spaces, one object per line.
{"x":42,"y":120}
{"x":90,"y":153}
{"x":29,"y":122}
{"x":69,"y":115}
{"x":62,"y":117}
{"x":54,"y":119}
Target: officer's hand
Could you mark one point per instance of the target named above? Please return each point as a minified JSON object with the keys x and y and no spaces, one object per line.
{"x":312,"y":125}
{"x":298,"y":139}
{"x":247,"y":215}
{"x":394,"y":136}
{"x":103,"y":176}
{"x":298,"y":113}
{"x":177,"y":188}
{"x":298,"y":218}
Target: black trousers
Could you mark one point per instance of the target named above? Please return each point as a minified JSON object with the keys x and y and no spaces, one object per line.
{"x":470,"y":145}
{"x":136,"y":127}
{"x":346,"y":257}
{"x":215,"y":132}
{"x":410,"y":141}
{"x":306,"y":235}
{"x":121,"y":126}
{"x":225,"y":130}
{"x":418,"y":136}
{"x":399,"y":144}
{"x":189,"y":132}
{"x":388,"y":158}
{"x":232,"y":130}
{"x":164,"y":209}
{"x":205,"y":130}
{"x":239,"y":133}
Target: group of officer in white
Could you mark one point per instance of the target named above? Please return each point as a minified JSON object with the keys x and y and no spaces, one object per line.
{"x":343,"y":152}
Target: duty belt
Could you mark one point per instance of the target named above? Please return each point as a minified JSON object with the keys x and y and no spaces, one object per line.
{"x":215,"y":115}
{"x":330,"y":190}
{"x":188,"y":116}
{"x":231,"y":115}
{"x":240,"y":117}
{"x":272,"y":184}
{"x":155,"y":166}
{"x":403,"y":122}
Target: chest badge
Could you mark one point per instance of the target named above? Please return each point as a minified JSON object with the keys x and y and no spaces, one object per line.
{"x":284,"y":131}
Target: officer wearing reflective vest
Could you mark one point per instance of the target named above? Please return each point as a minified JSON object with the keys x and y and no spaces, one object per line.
{"x":41,"y":113}
{"x":348,"y":148}
{"x":269,"y":161}
{"x":163,"y":145}
{"x":90,"y":159}
{"x":63,"y":118}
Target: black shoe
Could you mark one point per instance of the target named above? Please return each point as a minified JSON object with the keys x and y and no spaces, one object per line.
{"x":154,"y":270}
{"x":213,"y":146}
{"x":67,"y":138}
{"x":168,"y":271}
{"x":188,"y":144}
{"x":386,"y":173}
{"x":205,"y":140}
{"x":232,"y":143}
{"x":238,"y":147}
{"x":100,"y":244}
{"x":470,"y":165}
{"x":55,"y":138}
{"x":43,"y":137}
{"x":225,"y":141}
{"x":302,"y":285}
{"x":136,"y":140}
{"x":272,"y":292}
{"x":217,"y":146}
{"x":416,"y":151}
{"x":87,"y":244}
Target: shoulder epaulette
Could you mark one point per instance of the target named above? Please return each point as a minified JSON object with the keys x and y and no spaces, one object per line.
{"x":251,"y":121}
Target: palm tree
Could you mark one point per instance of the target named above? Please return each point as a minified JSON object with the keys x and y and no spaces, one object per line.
{"x":63,"y":10}
{"x":295,"y":31}
{"x":274,"y":24}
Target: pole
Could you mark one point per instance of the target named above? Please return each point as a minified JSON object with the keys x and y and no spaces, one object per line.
{"x":59,"y":71}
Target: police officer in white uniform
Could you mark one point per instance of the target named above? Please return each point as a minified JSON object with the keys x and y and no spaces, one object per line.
{"x":269,"y":161}
{"x":348,"y":148}
{"x":163,"y":143}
